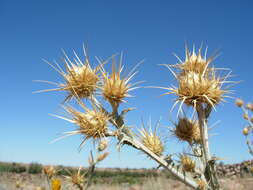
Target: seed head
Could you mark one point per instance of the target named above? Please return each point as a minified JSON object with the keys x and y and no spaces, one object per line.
{"x":239,"y":102}
{"x":197,"y":81}
{"x":92,"y":123}
{"x":81,"y":80}
{"x":187,"y":130}
{"x":245,"y":131}
{"x":115,"y":86}
{"x":152,"y":141}
{"x":102,"y":145}
{"x":195,"y":88}
{"x":188,"y":165}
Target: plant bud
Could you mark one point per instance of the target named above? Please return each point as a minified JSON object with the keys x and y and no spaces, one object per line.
{"x":102,"y":156}
{"x":246,"y":116}
{"x":102,"y":145}
{"x":239,"y":102}
{"x":245,"y":131}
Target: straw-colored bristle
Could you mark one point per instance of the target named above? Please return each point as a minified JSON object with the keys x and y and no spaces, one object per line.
{"x":188,"y":165}
{"x":187,"y":130}
{"x":152,"y":142}
{"x":92,"y":123}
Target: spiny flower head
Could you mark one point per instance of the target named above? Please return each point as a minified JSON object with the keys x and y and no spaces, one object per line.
{"x":188,"y":165}
{"x":195,"y":88}
{"x":93,"y":123}
{"x":152,"y":141}
{"x":197,"y":81}
{"x":187,"y":130}
{"x":115,"y":86}
{"x":81,"y":80}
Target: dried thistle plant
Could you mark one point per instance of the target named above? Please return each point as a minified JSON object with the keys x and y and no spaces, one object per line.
{"x":200,"y":88}
{"x":247,"y":131}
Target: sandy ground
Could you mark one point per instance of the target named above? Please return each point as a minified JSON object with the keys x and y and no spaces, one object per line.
{"x":30,"y":182}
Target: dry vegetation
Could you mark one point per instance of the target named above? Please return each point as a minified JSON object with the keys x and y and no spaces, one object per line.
{"x":8,"y":181}
{"x":98,"y":94}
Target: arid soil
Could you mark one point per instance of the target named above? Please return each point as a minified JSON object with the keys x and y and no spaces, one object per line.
{"x":8,"y":181}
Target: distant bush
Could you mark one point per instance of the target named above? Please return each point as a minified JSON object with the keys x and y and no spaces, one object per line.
{"x":12,"y":167}
{"x":34,"y":168}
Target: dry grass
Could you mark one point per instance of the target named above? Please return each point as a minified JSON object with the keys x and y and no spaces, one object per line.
{"x":31,"y":181}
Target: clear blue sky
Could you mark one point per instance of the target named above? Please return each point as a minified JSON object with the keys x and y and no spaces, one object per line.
{"x":150,"y":30}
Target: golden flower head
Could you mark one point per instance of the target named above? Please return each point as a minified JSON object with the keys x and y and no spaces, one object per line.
{"x":93,"y":123}
{"x":195,"y":88}
{"x":55,"y":184}
{"x":197,"y":81}
{"x":49,"y":171}
{"x":188,"y":165}
{"x":152,"y":141}
{"x":187,"y":130}
{"x":115,"y":86}
{"x":81,"y":80}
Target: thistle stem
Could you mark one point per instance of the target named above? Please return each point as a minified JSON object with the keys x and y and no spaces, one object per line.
{"x":209,"y":163}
